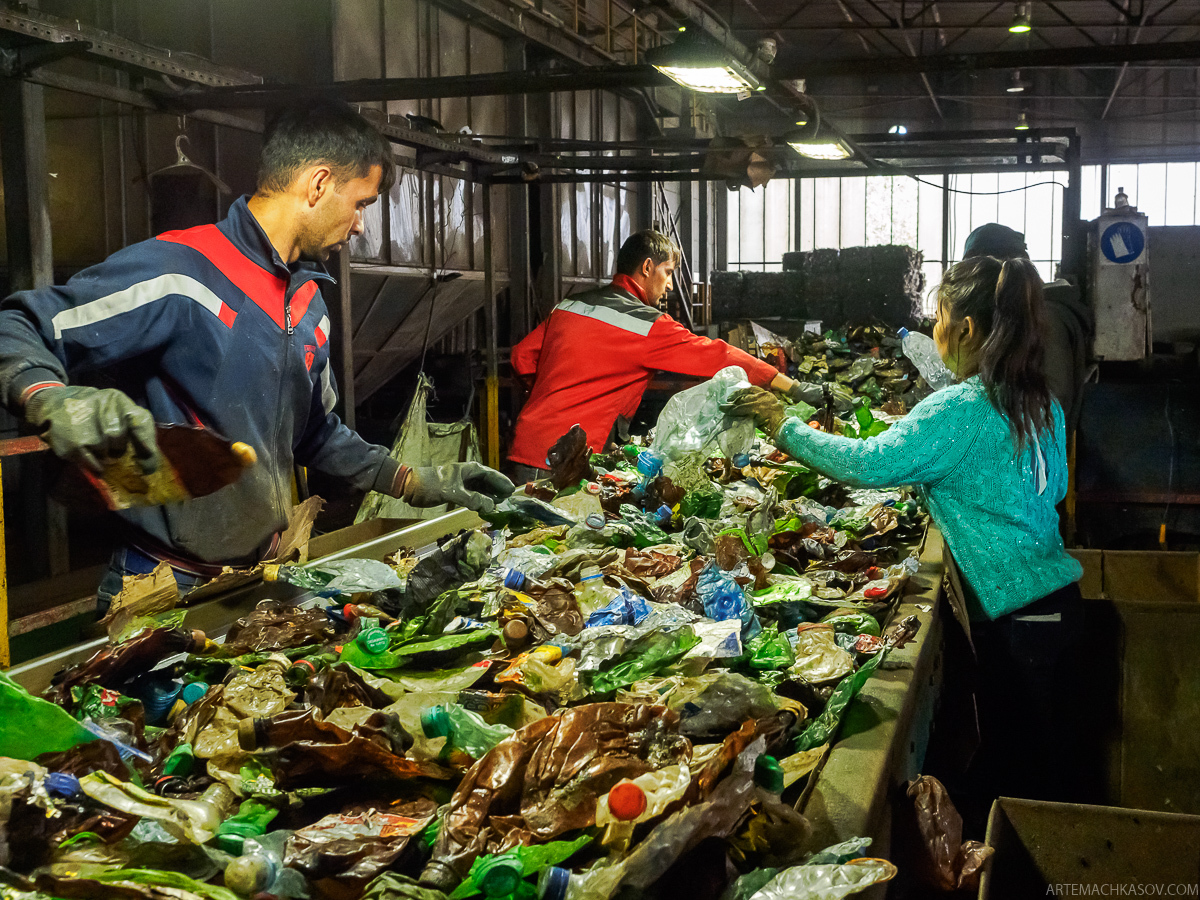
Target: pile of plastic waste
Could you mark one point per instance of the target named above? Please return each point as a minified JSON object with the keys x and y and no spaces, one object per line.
{"x":621,"y":685}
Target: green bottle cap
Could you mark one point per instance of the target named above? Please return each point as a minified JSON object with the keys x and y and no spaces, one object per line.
{"x":768,"y":774}
{"x":435,"y":721}
{"x":232,"y":835}
{"x":499,"y":876}
{"x":373,"y":640}
{"x":631,"y":451}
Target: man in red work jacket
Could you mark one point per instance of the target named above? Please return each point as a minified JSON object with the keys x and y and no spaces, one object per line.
{"x":591,"y":360}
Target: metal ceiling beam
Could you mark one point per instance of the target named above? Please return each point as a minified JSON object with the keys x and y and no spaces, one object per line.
{"x":370,"y":90}
{"x":112,"y":49}
{"x":1054,"y":58}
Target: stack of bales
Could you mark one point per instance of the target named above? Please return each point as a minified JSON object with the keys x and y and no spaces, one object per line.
{"x":851,"y":286}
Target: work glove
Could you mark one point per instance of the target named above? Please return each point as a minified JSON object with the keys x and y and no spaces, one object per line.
{"x":758,"y":404}
{"x":804,"y":392}
{"x":85,"y":424}
{"x":469,"y":484}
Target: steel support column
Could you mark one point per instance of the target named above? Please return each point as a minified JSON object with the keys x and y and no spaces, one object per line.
{"x":491,"y":396}
{"x":341,"y":349}
{"x":27,"y":221}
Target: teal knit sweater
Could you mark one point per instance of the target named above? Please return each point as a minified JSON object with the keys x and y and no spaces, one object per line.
{"x":958,"y":451}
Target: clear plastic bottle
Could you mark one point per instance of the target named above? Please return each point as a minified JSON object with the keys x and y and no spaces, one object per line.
{"x":337,"y":576}
{"x":632,"y":801}
{"x":593,"y":593}
{"x":922,"y":352}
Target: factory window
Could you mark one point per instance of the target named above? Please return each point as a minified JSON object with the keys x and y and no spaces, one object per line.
{"x":1168,"y":193}
{"x":821,"y":213}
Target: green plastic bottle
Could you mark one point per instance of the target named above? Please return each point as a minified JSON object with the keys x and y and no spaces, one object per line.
{"x":180,"y":761}
{"x":30,"y":726}
{"x":498,"y":873}
{"x":462,"y":729}
{"x":369,"y":649}
{"x":250,"y":821}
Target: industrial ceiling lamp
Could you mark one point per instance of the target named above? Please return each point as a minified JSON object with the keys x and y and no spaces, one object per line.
{"x":1022,"y":19}
{"x":1017,"y":84}
{"x":703,"y":66}
{"x":1022,"y":122}
{"x":817,"y":144}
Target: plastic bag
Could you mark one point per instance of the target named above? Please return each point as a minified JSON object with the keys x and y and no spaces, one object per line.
{"x":947,"y":863}
{"x":692,"y":420}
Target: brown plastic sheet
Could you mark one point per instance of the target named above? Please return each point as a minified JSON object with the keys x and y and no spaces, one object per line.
{"x":946,"y":863}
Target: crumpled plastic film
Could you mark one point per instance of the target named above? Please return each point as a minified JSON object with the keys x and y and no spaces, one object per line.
{"x":692,"y":420}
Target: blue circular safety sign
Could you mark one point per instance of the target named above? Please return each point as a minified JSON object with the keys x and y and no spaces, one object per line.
{"x":1122,"y":242}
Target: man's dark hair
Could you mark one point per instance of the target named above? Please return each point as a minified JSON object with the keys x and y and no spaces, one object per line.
{"x":322,"y":132}
{"x":645,"y":245}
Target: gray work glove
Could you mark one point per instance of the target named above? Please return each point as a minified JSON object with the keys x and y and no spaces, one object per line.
{"x":84,"y":424}
{"x":469,"y":484}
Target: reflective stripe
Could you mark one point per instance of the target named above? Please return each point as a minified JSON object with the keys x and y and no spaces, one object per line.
{"x":328,"y":394}
{"x":608,"y":316}
{"x":322,"y":331}
{"x":140,"y":294}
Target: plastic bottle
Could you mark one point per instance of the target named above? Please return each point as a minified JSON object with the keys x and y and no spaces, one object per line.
{"x":593,"y":593}
{"x":30,"y":726}
{"x":180,"y":761}
{"x":723,"y":599}
{"x":922,"y":352}
{"x":632,"y":801}
{"x":502,"y":877}
{"x":462,"y":729}
{"x":338,"y":576}
{"x":369,"y":649}
{"x":250,"y":822}
{"x":158,"y":696}
{"x":256,"y":870}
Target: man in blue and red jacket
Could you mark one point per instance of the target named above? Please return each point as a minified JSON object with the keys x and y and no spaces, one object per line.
{"x":591,"y":359}
{"x":221,"y":326}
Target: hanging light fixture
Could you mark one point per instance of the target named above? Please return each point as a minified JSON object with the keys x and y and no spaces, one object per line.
{"x":1022,"y":122}
{"x":1017,"y":84}
{"x":1022,"y":19}
{"x":701,"y":65}
{"x":817,"y":144}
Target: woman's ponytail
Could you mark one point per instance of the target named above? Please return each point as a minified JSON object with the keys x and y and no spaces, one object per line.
{"x":1007,"y":306}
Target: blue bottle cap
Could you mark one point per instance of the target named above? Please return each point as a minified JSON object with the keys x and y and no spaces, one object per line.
{"x":61,"y":784}
{"x":514,"y":579}
{"x":193,"y":691}
{"x":741,"y":460}
{"x":664,"y":513}
{"x":902,"y":333}
{"x":553,"y":883}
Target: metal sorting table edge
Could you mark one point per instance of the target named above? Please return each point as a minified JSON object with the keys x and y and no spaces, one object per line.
{"x":215,"y":617}
{"x":885,"y":733}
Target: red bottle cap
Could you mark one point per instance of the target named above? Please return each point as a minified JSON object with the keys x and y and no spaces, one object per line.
{"x":626,"y":801}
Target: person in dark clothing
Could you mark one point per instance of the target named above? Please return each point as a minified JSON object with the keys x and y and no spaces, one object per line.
{"x":221,"y":326}
{"x":1067,"y":325}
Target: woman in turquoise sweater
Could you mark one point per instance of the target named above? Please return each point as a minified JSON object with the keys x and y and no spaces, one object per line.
{"x":987,"y":455}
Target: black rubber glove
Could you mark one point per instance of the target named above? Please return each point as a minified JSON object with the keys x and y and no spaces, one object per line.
{"x":469,"y":484}
{"x":759,"y":404}
{"x":83,"y":424}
